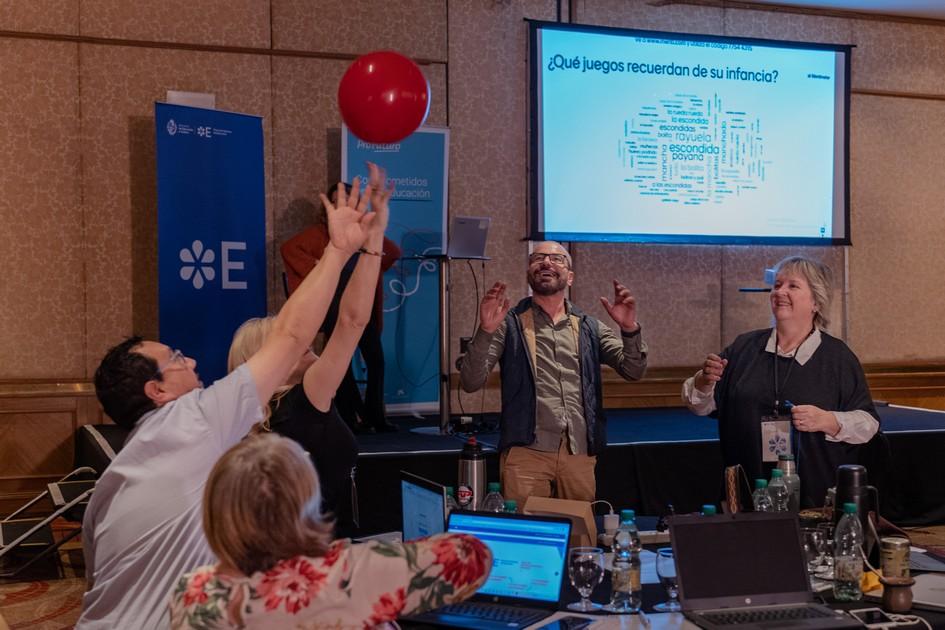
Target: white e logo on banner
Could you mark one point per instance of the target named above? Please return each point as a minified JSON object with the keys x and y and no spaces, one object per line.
{"x":197,"y":264}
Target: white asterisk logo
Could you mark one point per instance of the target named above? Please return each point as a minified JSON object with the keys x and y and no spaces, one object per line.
{"x":197,"y":261}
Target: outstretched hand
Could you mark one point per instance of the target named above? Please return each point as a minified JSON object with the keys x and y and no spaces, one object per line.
{"x":711,"y":373}
{"x":624,"y":308}
{"x":349,"y":223}
{"x":380,"y":193}
{"x":493,"y":308}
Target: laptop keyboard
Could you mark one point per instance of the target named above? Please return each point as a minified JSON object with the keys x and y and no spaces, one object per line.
{"x":763,"y":615}
{"x":509,"y":615}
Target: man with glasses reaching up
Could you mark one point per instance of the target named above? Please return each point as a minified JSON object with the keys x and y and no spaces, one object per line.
{"x":142,"y":528}
{"x":552,"y":424}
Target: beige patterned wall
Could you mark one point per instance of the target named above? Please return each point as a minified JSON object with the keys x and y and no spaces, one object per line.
{"x":77,"y":163}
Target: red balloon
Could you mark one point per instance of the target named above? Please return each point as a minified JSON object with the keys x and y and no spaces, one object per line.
{"x":383,"y":97}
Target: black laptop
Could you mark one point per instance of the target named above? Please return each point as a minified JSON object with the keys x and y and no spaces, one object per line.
{"x":529,"y":562}
{"x":747,"y":570}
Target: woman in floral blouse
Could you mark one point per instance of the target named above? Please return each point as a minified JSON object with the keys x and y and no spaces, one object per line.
{"x":277,"y":568}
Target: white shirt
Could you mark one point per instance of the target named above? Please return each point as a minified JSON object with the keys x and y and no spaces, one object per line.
{"x":856,"y":427}
{"x":142,"y":529}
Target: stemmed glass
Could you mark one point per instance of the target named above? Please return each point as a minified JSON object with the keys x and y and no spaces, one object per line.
{"x":586,"y":570}
{"x":666,"y":571}
{"x":814,"y":548}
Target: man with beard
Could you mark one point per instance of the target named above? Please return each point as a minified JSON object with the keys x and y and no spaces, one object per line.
{"x":552,"y":424}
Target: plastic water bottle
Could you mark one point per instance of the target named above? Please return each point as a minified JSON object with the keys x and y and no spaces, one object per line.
{"x":778,"y":491}
{"x":847,"y":556}
{"x":792,"y":480}
{"x":511,"y":506}
{"x":627,"y":592}
{"x":760,"y":497}
{"x":708,"y":510}
{"x":493,"y":501}
{"x":451,"y":503}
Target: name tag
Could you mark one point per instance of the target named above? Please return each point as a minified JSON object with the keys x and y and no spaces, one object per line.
{"x":775,"y":437}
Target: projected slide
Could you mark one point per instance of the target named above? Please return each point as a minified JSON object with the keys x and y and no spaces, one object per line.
{"x":689,"y":137}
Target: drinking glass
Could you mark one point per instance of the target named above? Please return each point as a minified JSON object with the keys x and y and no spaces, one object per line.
{"x":814,"y":548}
{"x":666,"y":571}
{"x":826,"y":530}
{"x":586,"y":570}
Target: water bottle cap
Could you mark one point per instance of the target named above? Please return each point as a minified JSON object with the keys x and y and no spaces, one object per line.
{"x":708,"y":510}
{"x":849,"y":508}
{"x":511,"y":505}
{"x":761,"y":483}
{"x":449,"y":491}
{"x":627,"y":515}
{"x":494,"y":486}
{"x":777,"y":472}
{"x":786,"y":457}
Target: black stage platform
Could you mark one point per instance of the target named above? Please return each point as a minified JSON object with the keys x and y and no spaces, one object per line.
{"x":657,"y":457}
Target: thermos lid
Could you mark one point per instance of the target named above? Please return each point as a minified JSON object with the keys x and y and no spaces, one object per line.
{"x":472,"y":449}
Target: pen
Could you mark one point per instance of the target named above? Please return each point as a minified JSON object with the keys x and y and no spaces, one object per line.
{"x":644,"y":619}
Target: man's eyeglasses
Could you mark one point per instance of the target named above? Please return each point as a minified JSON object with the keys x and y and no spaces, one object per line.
{"x":177,"y":357}
{"x":556,"y":259}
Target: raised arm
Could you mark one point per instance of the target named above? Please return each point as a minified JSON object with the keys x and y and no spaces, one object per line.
{"x":321,"y":380}
{"x":297,"y":323}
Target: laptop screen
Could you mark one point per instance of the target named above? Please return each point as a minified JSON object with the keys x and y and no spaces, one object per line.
{"x":723,"y":557}
{"x":528,"y":553}
{"x":424,"y":506}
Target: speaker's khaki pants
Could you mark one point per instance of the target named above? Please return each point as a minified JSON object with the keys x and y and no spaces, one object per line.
{"x":526,"y":472}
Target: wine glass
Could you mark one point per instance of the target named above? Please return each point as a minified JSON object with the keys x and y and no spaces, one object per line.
{"x":666,"y":571}
{"x":814,"y":548}
{"x":826,"y":530}
{"x":586,"y":570}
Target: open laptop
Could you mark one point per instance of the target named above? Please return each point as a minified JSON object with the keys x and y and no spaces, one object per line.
{"x":529,"y":561}
{"x":749,"y":570}
{"x":468,"y":237}
{"x":424,"y":506}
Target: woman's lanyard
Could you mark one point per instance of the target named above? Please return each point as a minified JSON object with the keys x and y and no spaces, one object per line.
{"x":779,"y":385}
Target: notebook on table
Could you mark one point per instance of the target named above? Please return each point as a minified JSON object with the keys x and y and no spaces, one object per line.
{"x":423,"y":503}
{"x":747,"y":570}
{"x":529,"y":562}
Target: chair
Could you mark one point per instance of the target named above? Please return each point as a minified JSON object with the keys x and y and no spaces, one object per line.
{"x":68,"y":497}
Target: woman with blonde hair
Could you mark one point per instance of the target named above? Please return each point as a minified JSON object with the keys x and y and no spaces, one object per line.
{"x":278,"y":569}
{"x":303,"y":408}
{"x":791,"y":388}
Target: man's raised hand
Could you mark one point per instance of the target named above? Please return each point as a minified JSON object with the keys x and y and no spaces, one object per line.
{"x":493,"y":308}
{"x":624,"y":308}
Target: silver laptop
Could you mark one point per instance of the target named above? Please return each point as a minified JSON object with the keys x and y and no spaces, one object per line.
{"x":423,"y":503}
{"x":529,"y":560}
{"x":468,"y":237}
{"x":747,"y":570}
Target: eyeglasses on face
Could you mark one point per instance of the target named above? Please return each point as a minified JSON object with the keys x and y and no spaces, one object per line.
{"x":177,"y":357}
{"x":556,"y":259}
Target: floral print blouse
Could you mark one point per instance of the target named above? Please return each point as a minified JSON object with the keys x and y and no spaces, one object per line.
{"x":352,"y":586}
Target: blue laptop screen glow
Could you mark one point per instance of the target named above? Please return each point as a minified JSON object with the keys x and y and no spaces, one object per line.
{"x":423,"y":511}
{"x":527,"y":556}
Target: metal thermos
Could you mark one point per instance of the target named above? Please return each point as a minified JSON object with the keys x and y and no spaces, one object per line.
{"x":853,"y":487}
{"x":471,"y":486}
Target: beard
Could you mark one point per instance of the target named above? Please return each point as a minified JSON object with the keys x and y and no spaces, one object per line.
{"x":547,"y":284}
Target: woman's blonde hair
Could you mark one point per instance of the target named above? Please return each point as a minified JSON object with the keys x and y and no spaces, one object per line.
{"x":247,"y":340}
{"x":262,"y":504}
{"x":817,"y":275}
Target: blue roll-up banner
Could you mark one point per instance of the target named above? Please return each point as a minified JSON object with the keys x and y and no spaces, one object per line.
{"x":211,"y":230}
{"x":418,"y":166}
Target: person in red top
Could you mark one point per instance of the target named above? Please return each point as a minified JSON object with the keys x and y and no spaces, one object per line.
{"x":299,"y":255}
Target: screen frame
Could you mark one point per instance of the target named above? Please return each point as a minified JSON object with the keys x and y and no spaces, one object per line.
{"x":687,"y":522}
{"x":519,"y":601}
{"x":535,"y":218}
{"x":425,"y":484}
